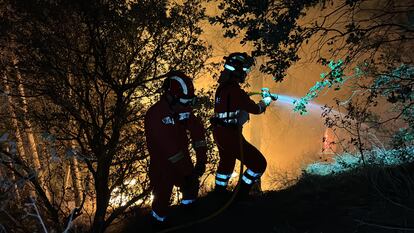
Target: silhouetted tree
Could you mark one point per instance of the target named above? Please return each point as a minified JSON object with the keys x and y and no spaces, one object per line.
{"x":90,"y":68}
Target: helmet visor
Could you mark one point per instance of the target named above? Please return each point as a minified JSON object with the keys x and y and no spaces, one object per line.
{"x":246,"y":69}
{"x":187,"y":101}
{"x":231,"y":68}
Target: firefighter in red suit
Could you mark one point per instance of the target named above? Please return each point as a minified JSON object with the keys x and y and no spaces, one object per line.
{"x":232,"y":108}
{"x":166,"y":126}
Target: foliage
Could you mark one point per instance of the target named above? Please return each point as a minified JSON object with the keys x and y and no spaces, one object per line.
{"x":398,"y":88}
{"x":335,"y":78}
{"x":352,"y":29}
{"x":271,"y":26}
{"x":345,"y":162}
{"x":378,"y":113}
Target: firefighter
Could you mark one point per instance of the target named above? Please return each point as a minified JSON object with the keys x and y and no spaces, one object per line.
{"x":232,"y":108}
{"x":166,"y":126}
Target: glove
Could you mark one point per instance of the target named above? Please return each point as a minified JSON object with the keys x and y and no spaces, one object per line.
{"x":199,"y":169}
{"x":267,"y":100}
{"x":266,"y":96}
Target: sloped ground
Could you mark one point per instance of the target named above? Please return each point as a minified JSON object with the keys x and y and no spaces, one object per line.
{"x":368,"y":200}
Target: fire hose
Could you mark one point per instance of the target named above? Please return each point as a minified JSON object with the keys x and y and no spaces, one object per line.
{"x":265,"y":92}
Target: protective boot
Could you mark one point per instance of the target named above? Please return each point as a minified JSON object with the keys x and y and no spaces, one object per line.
{"x":190,"y":208}
{"x":221,"y":195}
{"x":220,"y":190}
{"x":158,"y":223}
{"x":157,"y":226}
{"x":243,"y":192}
{"x":189,"y":191}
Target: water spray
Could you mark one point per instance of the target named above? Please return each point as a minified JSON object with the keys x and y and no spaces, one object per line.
{"x":285,"y":99}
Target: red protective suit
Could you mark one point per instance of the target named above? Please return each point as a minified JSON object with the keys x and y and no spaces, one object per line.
{"x":170,"y":162}
{"x":231,"y":103}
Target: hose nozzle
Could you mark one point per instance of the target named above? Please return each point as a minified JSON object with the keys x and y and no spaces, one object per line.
{"x":266,"y":93}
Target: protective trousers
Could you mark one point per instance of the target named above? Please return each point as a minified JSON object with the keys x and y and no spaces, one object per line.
{"x":232,"y":144}
{"x":162,"y":190}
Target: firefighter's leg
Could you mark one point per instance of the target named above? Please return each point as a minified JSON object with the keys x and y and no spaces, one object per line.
{"x":256,"y":165}
{"x":162,"y":190}
{"x":224,"y":170}
{"x":189,"y":186}
{"x":228,"y":145}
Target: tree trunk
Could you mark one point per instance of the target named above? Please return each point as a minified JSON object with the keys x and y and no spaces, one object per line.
{"x":76,"y":179}
{"x":67,"y":176}
{"x":15,"y":124}
{"x":73,"y":174}
{"x":30,"y":136}
{"x":74,"y":165}
{"x":11,"y":176}
{"x":14,"y":180}
{"x":102,"y":195}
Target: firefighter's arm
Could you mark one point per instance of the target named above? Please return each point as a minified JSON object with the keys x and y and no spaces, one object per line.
{"x":249,"y":105}
{"x":197,"y":133}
